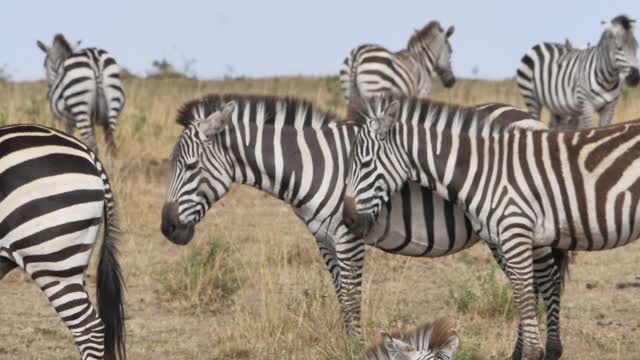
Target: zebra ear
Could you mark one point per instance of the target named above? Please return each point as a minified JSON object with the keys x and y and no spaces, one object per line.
{"x":450,"y":31}
{"x":218,"y":120}
{"x":446,"y":352}
{"x":42,"y":46}
{"x":397,"y":349}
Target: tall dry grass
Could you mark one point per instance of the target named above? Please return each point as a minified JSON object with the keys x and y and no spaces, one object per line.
{"x":262,"y":290}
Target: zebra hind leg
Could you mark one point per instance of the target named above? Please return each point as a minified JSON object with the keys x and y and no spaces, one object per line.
{"x":70,"y":299}
{"x":88,"y":137}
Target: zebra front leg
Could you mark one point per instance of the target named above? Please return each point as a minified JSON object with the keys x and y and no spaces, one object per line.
{"x":328,"y":252}
{"x":606,"y":113}
{"x":70,"y":299}
{"x":518,"y":254}
{"x":538,"y":279}
{"x":350,"y":253}
{"x":585,"y":119}
{"x":548,"y":275}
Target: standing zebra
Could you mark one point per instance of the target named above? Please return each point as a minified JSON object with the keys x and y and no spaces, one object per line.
{"x":432,"y":341}
{"x":575,"y":83}
{"x":84,"y":87}
{"x":292,"y":150}
{"x":371,"y":69}
{"x":55,"y":193}
{"x":522,"y":188}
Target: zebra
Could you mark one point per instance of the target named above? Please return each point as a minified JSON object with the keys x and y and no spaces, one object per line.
{"x":55,"y":192}
{"x":371,"y":69}
{"x":523,"y":187}
{"x":298,"y":153}
{"x":84,"y":86}
{"x":576,"y":83}
{"x":432,"y":341}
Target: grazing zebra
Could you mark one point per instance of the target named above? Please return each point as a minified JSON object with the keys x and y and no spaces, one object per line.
{"x":84,"y":86}
{"x":292,"y":150}
{"x":433,"y":341}
{"x":371,"y":69}
{"x":55,"y":193}
{"x":576,"y":83}
{"x":521,"y":188}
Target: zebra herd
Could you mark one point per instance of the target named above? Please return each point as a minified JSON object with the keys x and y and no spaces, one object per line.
{"x":401,"y":173}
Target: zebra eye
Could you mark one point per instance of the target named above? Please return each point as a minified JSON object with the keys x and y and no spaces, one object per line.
{"x":190,"y":166}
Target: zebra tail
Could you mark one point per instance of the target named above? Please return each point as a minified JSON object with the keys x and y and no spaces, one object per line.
{"x":110,"y":285}
{"x":562,"y":258}
{"x":354,"y":91}
{"x":102,"y":106}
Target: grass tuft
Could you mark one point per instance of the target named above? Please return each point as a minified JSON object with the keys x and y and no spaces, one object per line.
{"x":203,"y":277}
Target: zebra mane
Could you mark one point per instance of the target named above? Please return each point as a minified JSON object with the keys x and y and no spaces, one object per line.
{"x":201,"y":108}
{"x":425,"y":34}
{"x":436,"y":114}
{"x":435,"y":336}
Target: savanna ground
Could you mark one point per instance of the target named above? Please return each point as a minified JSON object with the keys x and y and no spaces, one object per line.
{"x":251,"y":283}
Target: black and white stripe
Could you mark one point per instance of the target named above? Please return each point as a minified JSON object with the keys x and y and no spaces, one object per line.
{"x":577,"y":83}
{"x":523,"y":189}
{"x":298,"y":153}
{"x":371,"y":69}
{"x":55,"y":194}
{"x":84,"y":89}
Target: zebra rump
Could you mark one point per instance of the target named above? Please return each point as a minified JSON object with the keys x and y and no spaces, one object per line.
{"x":55,"y":194}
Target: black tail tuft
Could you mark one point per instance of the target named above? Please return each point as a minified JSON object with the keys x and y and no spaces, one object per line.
{"x":562,"y":259}
{"x":110,"y":291}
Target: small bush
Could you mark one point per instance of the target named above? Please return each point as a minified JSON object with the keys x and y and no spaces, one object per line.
{"x":485,"y":295}
{"x":204,"y":276}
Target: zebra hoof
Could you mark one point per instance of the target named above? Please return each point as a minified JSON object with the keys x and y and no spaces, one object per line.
{"x":553,"y":349}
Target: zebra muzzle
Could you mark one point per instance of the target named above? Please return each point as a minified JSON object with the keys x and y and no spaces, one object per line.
{"x":633,"y":77}
{"x":171,"y":227}
{"x":359,"y":224}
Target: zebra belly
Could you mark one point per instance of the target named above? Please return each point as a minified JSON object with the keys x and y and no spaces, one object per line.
{"x":418,"y":222}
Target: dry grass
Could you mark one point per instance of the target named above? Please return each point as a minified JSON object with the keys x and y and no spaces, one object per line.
{"x":263,"y":292}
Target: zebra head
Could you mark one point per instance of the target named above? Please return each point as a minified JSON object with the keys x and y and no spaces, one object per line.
{"x":199,"y":171}
{"x":56,"y":55}
{"x":437,"y":341}
{"x":431,"y":46}
{"x":623,"y":48}
{"x":376,"y":167}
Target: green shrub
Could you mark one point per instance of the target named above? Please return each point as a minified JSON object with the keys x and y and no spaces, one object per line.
{"x":204,"y":276}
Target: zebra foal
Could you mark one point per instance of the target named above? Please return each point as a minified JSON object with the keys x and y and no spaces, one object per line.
{"x":522,"y":188}
{"x":576,"y":83}
{"x":84,"y":90}
{"x":55,"y":193}
{"x":371,"y":69}
{"x":432,"y":341}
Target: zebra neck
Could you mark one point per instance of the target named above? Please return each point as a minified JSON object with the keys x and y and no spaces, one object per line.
{"x":438,"y":148}
{"x":294,"y":165}
{"x":605,"y":72}
{"x":424,"y":63}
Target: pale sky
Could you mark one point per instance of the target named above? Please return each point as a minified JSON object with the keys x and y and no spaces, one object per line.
{"x":287,"y":37}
